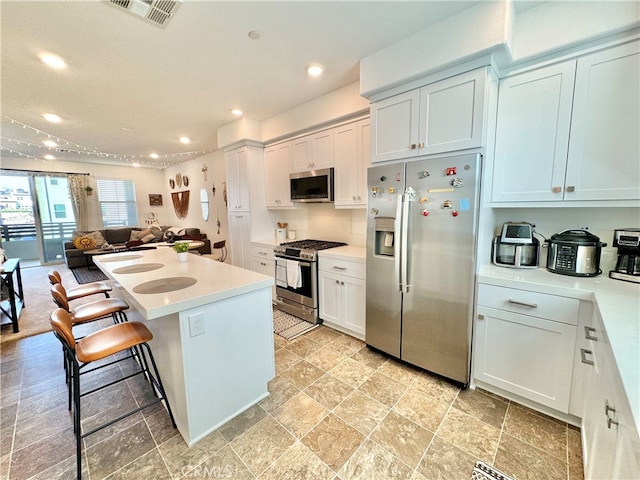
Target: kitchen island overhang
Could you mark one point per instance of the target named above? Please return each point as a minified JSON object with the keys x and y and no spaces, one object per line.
{"x":213,"y":338}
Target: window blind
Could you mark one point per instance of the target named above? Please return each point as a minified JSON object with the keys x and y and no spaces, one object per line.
{"x":117,"y":200}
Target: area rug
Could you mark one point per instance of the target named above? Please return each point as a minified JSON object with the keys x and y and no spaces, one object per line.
{"x":482,"y":471}
{"x":84,"y":275}
{"x":290,"y":327}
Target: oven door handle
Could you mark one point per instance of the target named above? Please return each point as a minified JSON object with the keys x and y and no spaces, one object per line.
{"x":302,"y":264}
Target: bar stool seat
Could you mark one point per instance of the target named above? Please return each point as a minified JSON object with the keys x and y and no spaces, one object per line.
{"x":83,"y":290}
{"x":91,"y":311}
{"x":132,"y":336}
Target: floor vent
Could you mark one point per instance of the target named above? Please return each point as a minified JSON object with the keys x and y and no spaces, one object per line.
{"x":158,"y":12}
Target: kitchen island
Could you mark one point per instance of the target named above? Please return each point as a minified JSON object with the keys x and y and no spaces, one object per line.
{"x":212,"y":325}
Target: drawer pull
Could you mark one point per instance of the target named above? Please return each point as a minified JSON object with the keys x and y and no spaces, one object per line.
{"x":587,"y":333}
{"x":339,"y":268}
{"x":583,"y":356}
{"x":525,"y":304}
{"x":609,"y":409}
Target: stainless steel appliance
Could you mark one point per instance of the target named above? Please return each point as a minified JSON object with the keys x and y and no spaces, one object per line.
{"x":421,"y":243}
{"x":516,"y":247}
{"x":299,"y":295}
{"x":627,"y":240}
{"x":315,"y":186}
{"x":575,"y":253}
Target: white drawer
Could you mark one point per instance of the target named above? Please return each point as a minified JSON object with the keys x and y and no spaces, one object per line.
{"x":342,"y":267}
{"x":560,"y":309}
{"x":261,"y":252}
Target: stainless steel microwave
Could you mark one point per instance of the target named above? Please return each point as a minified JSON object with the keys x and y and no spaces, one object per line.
{"x":315,"y":186}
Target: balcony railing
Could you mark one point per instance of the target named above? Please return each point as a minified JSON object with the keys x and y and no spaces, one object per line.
{"x":19,"y":240}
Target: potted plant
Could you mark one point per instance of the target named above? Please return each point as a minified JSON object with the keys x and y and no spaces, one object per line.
{"x":182,"y":248}
{"x":89,"y":190}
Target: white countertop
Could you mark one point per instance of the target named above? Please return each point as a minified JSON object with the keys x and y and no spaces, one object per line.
{"x":617,"y":301}
{"x":349,"y":253}
{"x":215,"y":280}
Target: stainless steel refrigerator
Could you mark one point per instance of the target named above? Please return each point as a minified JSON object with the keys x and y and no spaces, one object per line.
{"x":421,"y":241}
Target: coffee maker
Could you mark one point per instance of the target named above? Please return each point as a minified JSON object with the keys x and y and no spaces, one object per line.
{"x":628,"y":263}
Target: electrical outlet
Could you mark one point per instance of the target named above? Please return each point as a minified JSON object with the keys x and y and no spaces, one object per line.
{"x":196,"y":324}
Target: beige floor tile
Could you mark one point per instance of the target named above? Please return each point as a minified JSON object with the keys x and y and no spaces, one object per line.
{"x":525,"y":462}
{"x":399,"y":372}
{"x":298,"y":463}
{"x":436,"y":387}
{"x":383,"y":389}
{"x":333,"y":441}
{"x":422,"y":409}
{"x":179,"y":457}
{"x":574,"y":445}
{"x":484,"y":407}
{"x":403,"y":438}
{"x":303,"y":346}
{"x":149,"y":466}
{"x":326,"y":358}
{"x":352,"y":372}
{"x":469,"y":434}
{"x":548,"y":435}
{"x":371,"y":461}
{"x":262,"y":444}
{"x":285,"y":359}
{"x":347,"y":345}
{"x":329,"y":391}
{"x":242,"y":422}
{"x":444,"y":461}
{"x":361,"y":412}
{"x":300,"y":414}
{"x":302,"y":374}
{"x":576,"y":471}
{"x":323,"y":335}
{"x":369,"y":357}
{"x":280,"y":390}
{"x":221,"y":465}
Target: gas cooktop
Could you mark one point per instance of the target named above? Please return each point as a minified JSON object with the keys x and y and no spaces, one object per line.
{"x":306,"y":249}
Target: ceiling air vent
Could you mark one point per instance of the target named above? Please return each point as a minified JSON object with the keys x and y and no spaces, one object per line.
{"x":158,"y":12}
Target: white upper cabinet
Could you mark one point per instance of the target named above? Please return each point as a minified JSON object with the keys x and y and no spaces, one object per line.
{"x":237,"y":179}
{"x":532,"y":137}
{"x":571,"y":131}
{"x":604,"y":149}
{"x":441,"y":117}
{"x":278,"y":165}
{"x":351,"y":158}
{"x":312,"y":152}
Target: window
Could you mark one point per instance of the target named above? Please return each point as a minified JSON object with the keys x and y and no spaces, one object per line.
{"x":53,"y":181}
{"x":117,"y":202}
{"x":59,"y":210}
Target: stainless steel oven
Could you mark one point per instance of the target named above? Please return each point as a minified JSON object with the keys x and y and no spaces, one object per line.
{"x":297,"y":277}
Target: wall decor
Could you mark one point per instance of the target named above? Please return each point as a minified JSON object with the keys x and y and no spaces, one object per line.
{"x":185,"y":181}
{"x":204,"y":171}
{"x":213,"y":189}
{"x":155,"y":199}
{"x":172,"y":184}
{"x":180,"y":202}
{"x":178,"y":180}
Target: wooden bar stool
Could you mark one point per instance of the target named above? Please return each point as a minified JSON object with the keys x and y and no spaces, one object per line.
{"x":81,"y":291}
{"x":97,"y":346}
{"x":91,"y":311}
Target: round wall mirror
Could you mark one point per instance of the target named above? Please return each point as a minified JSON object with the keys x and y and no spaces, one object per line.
{"x":204,"y":203}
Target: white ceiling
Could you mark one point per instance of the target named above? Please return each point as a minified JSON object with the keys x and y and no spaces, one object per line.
{"x":162,"y":83}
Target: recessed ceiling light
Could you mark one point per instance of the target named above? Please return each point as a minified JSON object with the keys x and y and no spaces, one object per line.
{"x":154,"y":156}
{"x":254,"y":35}
{"x":50,"y":143}
{"x":236,"y":111}
{"x":185,"y":140}
{"x":52,"y":117}
{"x":49,"y":157}
{"x":54,"y":61}
{"x":315,"y":69}
{"x":136,"y":164}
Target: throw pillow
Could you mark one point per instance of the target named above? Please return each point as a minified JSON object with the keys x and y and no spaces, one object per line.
{"x":84,"y":243}
{"x":97,"y":237}
{"x":148,"y":238}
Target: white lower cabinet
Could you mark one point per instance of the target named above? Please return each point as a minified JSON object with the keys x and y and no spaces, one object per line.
{"x":240,"y":236}
{"x":611,"y":447}
{"x":524,"y":344}
{"x":342,"y":295}
{"x":262,"y":261}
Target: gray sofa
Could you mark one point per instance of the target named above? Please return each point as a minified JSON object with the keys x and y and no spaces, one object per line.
{"x":120,"y":236}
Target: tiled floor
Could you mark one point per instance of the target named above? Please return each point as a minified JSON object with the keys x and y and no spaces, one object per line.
{"x":336,"y":410}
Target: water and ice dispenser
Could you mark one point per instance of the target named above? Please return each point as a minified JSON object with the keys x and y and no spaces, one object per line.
{"x":384,"y":236}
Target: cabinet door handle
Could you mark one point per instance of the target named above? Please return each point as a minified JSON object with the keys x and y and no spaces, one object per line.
{"x":587,"y":333}
{"x":524,"y":304}
{"x":421,"y":145}
{"x":583,"y":356}
{"x":607,"y":410}
{"x":556,"y":189}
{"x":339,"y":268}
{"x":262,"y":253}
{"x":413,"y":146}
{"x":570,"y":189}
{"x":337,"y":282}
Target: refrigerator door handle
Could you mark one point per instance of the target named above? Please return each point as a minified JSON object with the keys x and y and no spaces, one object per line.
{"x":396,"y":242}
{"x":404,"y":239}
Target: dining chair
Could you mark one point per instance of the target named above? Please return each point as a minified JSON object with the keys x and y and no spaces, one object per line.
{"x":88,"y":312}
{"x":222,"y":255}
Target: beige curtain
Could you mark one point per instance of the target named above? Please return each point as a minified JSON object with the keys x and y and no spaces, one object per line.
{"x":77,"y":184}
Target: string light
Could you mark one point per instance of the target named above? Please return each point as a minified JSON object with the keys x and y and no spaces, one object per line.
{"x":77,"y":149}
